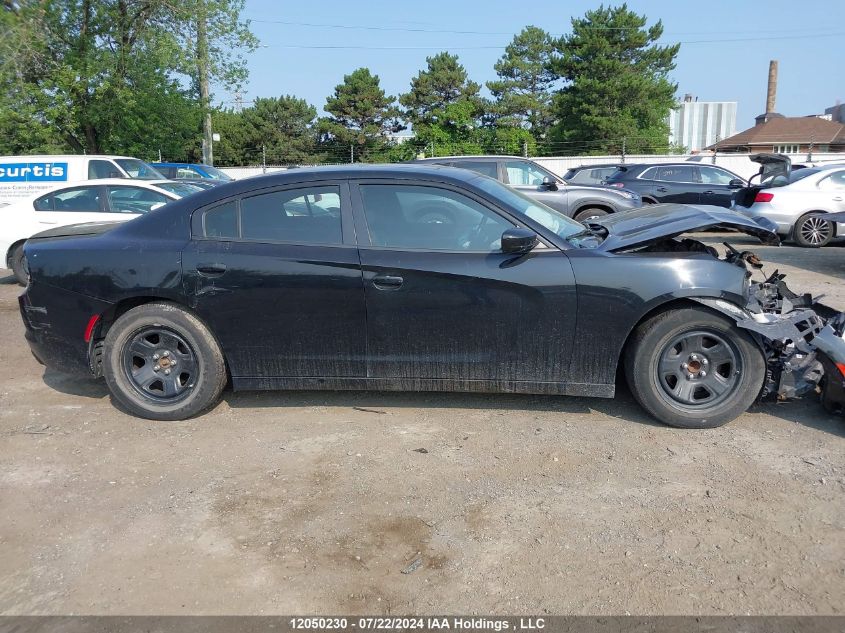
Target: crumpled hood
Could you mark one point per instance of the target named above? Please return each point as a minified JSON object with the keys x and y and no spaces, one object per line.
{"x":662,"y":221}
{"x":86,"y":228}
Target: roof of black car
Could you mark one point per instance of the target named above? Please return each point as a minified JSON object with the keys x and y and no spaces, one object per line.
{"x":366,"y":170}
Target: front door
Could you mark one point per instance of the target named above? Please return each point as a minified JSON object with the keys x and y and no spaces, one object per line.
{"x":277,"y":277}
{"x":716,"y":185}
{"x":443,"y":301}
{"x":528,"y":178}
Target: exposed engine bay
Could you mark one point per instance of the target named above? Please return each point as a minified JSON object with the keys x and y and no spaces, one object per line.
{"x":803,"y":340}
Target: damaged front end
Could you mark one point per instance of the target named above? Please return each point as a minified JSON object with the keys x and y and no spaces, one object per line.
{"x":804,"y":341}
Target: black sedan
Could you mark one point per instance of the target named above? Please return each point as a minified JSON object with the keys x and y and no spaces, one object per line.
{"x":686,"y":183}
{"x":409,"y":278}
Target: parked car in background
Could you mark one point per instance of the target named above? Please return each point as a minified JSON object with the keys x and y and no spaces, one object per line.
{"x":192,"y":171}
{"x":796,"y":200}
{"x":581,"y":202}
{"x":590,"y":174}
{"x":685,"y":183}
{"x":369,"y":293}
{"x":105,"y":200}
{"x":24,"y":176}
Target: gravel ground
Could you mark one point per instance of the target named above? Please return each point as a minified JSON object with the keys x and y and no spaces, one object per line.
{"x":416,"y":503}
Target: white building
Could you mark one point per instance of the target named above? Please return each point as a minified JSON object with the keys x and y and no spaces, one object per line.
{"x":696,"y":124}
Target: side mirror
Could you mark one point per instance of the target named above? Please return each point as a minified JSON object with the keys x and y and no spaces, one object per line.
{"x":519,"y":240}
{"x":736,"y":183}
{"x":548,"y":184}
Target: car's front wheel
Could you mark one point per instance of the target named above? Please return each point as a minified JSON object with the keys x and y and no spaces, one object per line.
{"x":693,"y":368}
{"x":812,"y":231}
{"x":162,"y":363}
{"x":590,"y":213}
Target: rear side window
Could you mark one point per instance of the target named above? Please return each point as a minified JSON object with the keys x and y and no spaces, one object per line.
{"x":485,"y":168}
{"x":309,"y":215}
{"x":222,"y":221}
{"x":676,"y":173}
{"x":80,"y":199}
{"x":649,"y":174}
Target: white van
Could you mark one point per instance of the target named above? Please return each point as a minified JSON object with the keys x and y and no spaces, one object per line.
{"x":23,"y":176}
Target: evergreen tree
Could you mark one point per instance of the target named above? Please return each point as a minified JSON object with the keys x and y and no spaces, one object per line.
{"x":617,"y":84}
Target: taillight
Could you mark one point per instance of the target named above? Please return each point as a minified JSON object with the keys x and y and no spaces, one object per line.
{"x":763,"y":196}
{"x":841,"y":368}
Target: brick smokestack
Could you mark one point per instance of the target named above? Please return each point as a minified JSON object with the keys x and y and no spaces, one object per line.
{"x":772,"y":91}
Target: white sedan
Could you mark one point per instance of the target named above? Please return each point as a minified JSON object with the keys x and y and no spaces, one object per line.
{"x":798,"y":204}
{"x":105,"y":200}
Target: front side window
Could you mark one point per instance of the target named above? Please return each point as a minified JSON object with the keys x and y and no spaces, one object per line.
{"x":139,"y":169}
{"x":187,"y":172}
{"x":676,"y":173}
{"x":430,"y":218}
{"x":834,"y":182}
{"x":103,"y":169}
{"x":212,"y":173}
{"x":134,"y":200}
{"x":520,"y":172}
{"x":301,"y":216}
{"x":78,"y":199}
{"x":715,"y":176}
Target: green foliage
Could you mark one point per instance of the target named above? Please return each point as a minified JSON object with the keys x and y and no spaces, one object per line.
{"x":362,"y":116}
{"x":523,"y":92}
{"x":112,"y":76}
{"x":445,"y":108}
{"x":618,"y":86}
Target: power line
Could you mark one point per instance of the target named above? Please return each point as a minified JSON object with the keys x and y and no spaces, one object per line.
{"x":458,"y":48}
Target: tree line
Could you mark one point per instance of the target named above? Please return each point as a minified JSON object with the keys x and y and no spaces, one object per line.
{"x":120,"y":76}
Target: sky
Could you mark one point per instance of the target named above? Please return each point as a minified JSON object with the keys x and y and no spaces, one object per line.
{"x":725,"y":51}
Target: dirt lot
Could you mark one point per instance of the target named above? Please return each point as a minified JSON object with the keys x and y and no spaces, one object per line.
{"x":317,"y":502}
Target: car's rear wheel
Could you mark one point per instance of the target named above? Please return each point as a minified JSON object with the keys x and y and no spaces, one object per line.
{"x":162,"y":363}
{"x":590,"y":213}
{"x":18,"y":263}
{"x":812,"y":231}
{"x":693,"y":368}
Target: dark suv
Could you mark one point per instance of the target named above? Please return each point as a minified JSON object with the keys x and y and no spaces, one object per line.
{"x":581,"y":202}
{"x":687,"y":183}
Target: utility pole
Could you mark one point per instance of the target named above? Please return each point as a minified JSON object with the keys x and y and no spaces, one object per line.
{"x":810,"y":152}
{"x":352,"y":152}
{"x":203,"y":68}
{"x":263,"y":159}
{"x":716,"y":147}
{"x":524,"y":148}
{"x":432,"y":148}
{"x":624,"y":139}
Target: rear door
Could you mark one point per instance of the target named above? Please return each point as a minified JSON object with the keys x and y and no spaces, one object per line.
{"x":677,"y":183}
{"x":443,"y":301}
{"x":277,"y":277}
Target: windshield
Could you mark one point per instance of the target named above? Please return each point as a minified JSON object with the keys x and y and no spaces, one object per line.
{"x":559,"y":224}
{"x":215,"y":174}
{"x":138,"y":169}
{"x":181,"y":189}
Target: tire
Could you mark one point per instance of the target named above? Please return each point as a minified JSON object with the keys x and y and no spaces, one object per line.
{"x":654,"y":368}
{"x":18,"y":263}
{"x":589,"y":213}
{"x":812,"y":231}
{"x":141,"y":376}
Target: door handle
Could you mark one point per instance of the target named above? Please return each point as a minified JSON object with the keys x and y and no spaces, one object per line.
{"x":662,"y":189}
{"x":211,"y":270}
{"x":45,"y":222}
{"x":388,"y":282}
{"x":838,"y":199}
{"x":709,"y":192}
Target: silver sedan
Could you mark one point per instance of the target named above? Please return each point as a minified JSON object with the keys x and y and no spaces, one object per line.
{"x":798,"y":206}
